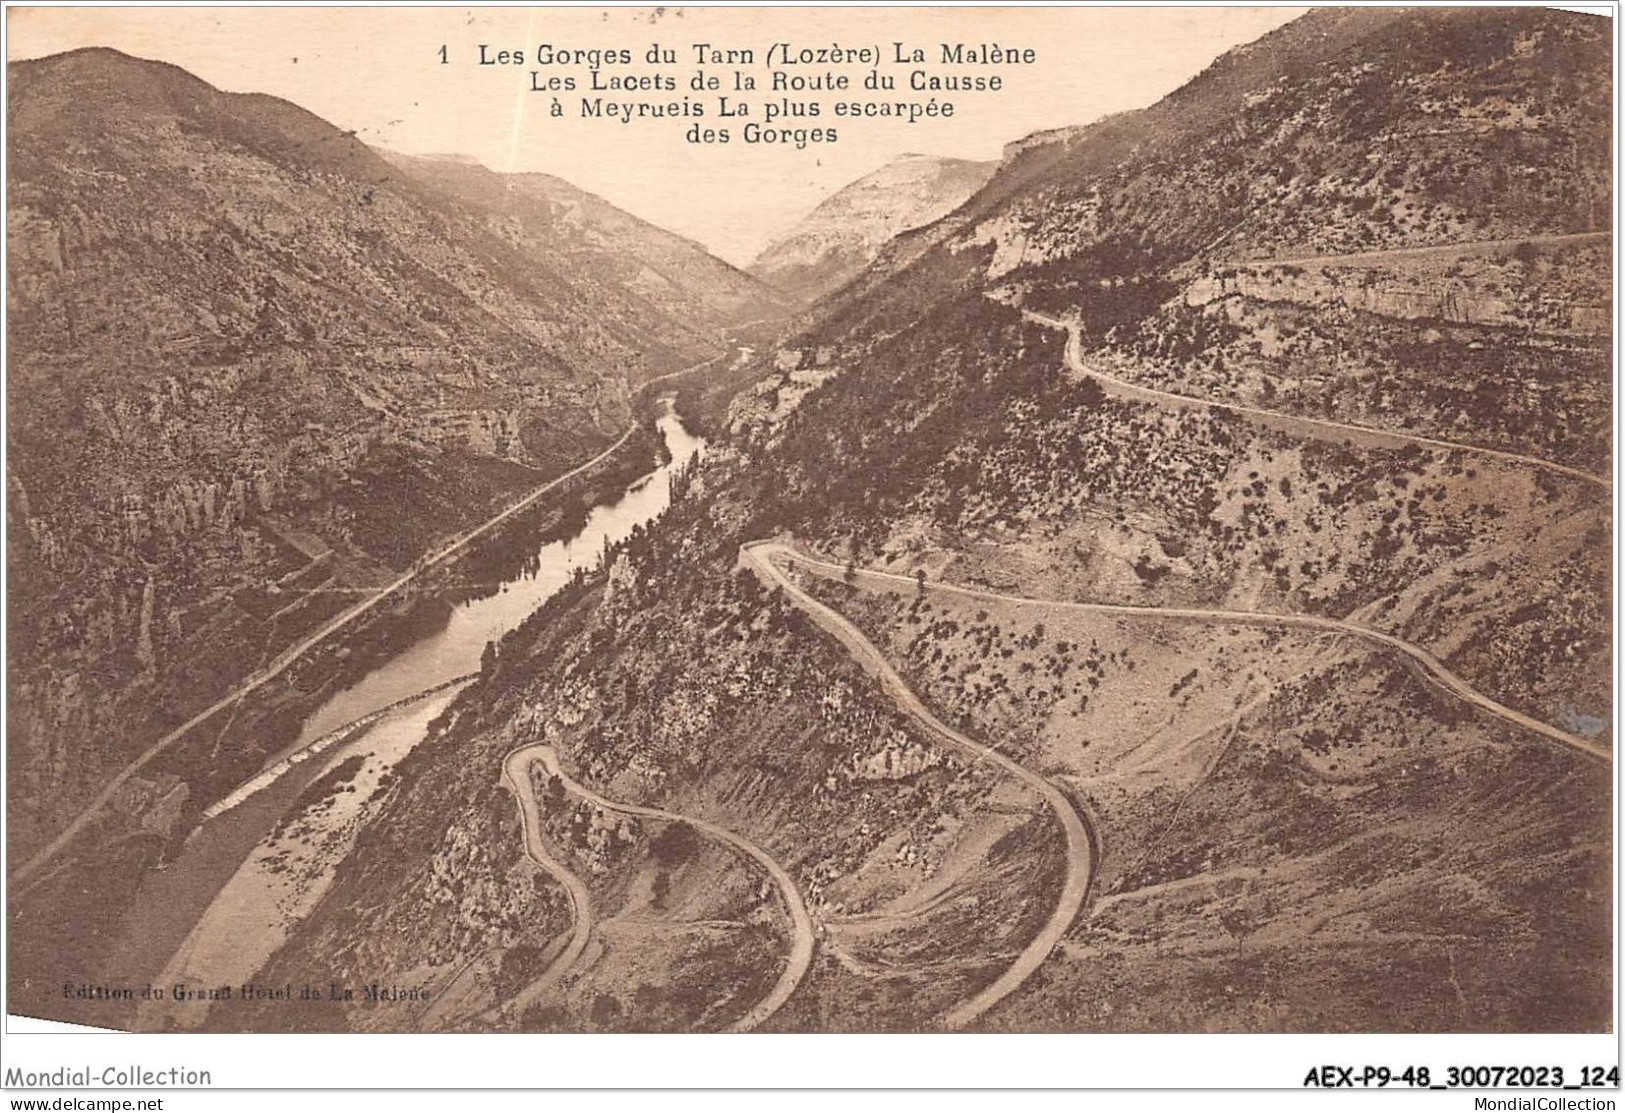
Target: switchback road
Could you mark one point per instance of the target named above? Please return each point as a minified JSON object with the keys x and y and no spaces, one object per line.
{"x":1319,"y":428}
{"x":1378,"y":256}
{"x":759,"y":557}
{"x":516,"y":773}
{"x":762,"y":553}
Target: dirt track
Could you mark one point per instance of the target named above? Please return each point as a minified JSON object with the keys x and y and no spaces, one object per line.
{"x":1431,"y":665}
{"x":515,"y":773}
{"x":758,"y":556}
{"x":1317,"y":428}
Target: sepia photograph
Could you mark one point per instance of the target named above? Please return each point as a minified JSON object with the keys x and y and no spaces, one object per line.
{"x":810,"y":520}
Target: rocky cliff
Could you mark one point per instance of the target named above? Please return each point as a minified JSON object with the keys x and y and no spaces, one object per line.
{"x":845,"y":232}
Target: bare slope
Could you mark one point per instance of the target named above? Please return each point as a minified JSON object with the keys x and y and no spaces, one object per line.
{"x":676,"y":297}
{"x":847,"y":230}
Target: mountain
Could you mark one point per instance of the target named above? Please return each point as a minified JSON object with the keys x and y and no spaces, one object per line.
{"x":1367,"y":222}
{"x":249,"y":356}
{"x":844,"y":233}
{"x":1171,"y":592}
{"x":682,"y":296}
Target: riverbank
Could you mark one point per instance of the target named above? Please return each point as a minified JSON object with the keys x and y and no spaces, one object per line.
{"x":535,"y":576}
{"x":75,"y":920}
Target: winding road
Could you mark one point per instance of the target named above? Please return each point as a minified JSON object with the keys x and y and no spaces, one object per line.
{"x":1457,"y":250}
{"x":762,"y":553}
{"x":516,"y":774}
{"x":261,"y":677}
{"x":759,"y":557}
{"x":670,"y":375}
{"x":1319,"y":428}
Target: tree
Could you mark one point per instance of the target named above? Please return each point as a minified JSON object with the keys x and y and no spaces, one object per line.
{"x":1237,"y":924}
{"x":919,"y":580}
{"x":677,"y":844}
{"x":1245,"y":916}
{"x":605,"y":1009}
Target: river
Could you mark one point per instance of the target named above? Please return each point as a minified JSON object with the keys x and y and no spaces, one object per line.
{"x":265,"y":855}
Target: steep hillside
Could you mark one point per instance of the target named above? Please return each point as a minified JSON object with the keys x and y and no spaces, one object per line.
{"x":1367,"y":222}
{"x":678,"y":298}
{"x":846,"y":231}
{"x":253,"y":370}
{"x":1325,"y":673}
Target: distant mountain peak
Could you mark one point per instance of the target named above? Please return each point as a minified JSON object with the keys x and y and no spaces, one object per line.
{"x":135,"y":80}
{"x":691,"y":288}
{"x":449,"y":156}
{"x":846,"y":232}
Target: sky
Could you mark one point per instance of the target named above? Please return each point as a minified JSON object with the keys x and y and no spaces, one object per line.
{"x":378,"y":72}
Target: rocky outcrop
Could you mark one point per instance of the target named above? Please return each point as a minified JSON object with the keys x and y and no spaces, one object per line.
{"x":1453,"y":299}
{"x":845,"y":233}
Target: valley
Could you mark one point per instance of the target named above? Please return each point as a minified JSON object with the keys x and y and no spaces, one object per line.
{"x":282,"y":817}
{"x":1159,"y":581}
